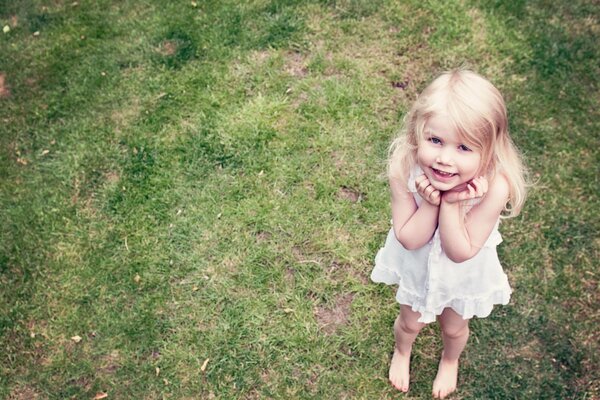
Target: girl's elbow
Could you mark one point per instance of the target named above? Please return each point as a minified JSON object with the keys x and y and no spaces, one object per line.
{"x":409,"y":243}
{"x":456,"y":258}
{"x":461,"y":256}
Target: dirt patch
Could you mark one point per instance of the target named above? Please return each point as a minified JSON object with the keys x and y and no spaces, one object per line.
{"x":111,"y":177}
{"x":109,"y":363}
{"x":263,"y":236}
{"x":168,"y":48}
{"x":295,"y":65}
{"x":341,"y":272}
{"x":4,"y":90}
{"x":350,"y":194}
{"x":24,"y":393}
{"x":290,"y":275}
{"x":330,"y":319}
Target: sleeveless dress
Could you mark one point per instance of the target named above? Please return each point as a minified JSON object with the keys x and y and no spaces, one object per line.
{"x":429,"y":281}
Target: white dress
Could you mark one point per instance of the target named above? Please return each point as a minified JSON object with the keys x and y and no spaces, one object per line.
{"x":429,"y":281}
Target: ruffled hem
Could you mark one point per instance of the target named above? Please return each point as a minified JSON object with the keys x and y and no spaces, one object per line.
{"x":467,"y":307}
{"x":384,"y":274}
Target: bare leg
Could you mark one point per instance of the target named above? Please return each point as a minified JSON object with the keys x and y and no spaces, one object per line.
{"x":455,"y":333}
{"x":406,"y":329}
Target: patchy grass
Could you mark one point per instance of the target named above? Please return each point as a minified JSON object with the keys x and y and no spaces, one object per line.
{"x":194,"y":189}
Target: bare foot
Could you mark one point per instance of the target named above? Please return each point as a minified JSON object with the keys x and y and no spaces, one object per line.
{"x":445,"y":380}
{"x":399,"y":371}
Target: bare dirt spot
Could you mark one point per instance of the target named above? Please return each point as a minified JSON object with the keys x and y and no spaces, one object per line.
{"x":4,"y":90}
{"x":168,"y":48}
{"x":350,"y":194}
{"x":109,"y":363}
{"x":340,"y":272}
{"x":295,"y":65}
{"x":263,"y":236}
{"x":290,"y":275}
{"x":330,"y":319}
{"x":23,"y":393}
{"x":111,"y":177}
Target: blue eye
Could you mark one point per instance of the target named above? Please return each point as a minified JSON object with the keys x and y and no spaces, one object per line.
{"x":435,"y":140}
{"x":464,"y":148}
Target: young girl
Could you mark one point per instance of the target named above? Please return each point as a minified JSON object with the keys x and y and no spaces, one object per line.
{"x":452,"y":173}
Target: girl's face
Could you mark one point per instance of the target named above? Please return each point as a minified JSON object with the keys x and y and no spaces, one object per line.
{"x":448,"y":162}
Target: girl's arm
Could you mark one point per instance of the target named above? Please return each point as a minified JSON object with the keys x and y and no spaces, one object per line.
{"x":413,"y":226}
{"x":462,"y":240}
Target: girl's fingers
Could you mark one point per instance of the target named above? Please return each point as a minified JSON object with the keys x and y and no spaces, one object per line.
{"x":484,"y":184}
{"x":420,"y":180}
{"x":472,"y":191}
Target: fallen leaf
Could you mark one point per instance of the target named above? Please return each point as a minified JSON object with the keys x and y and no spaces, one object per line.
{"x":157,"y":371}
{"x":76,"y":338}
{"x":22,"y":161}
{"x":203,"y":367}
{"x":45,"y":152}
{"x":288,"y":310}
{"x":195,"y":289}
{"x":100,"y":395}
{"x":6,"y":29}
{"x":137,"y":279}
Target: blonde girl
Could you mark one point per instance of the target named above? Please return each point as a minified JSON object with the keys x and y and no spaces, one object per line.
{"x":453,"y":172}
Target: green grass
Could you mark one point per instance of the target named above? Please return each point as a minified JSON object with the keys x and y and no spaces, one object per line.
{"x":184,"y":181}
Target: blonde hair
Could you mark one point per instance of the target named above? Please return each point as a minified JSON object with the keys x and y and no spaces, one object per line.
{"x":478,"y":113}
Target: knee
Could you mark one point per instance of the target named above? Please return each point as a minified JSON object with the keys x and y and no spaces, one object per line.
{"x":408,"y":326}
{"x":455,"y":332}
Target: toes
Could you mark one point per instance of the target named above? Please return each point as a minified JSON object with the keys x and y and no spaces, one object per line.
{"x":400,"y":386}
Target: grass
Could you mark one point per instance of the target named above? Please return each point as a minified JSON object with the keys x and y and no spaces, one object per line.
{"x":190,"y":181}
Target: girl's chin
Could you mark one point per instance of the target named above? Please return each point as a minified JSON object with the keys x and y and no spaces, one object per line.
{"x":459,"y":188}
{"x":448,"y":187}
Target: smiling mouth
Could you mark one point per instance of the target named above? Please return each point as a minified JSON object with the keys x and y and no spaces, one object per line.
{"x":443,"y":174}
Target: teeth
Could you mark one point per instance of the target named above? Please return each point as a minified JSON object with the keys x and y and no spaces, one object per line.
{"x":444,"y":173}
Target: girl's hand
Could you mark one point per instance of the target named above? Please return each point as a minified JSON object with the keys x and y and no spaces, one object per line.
{"x":427,"y":191}
{"x":477,"y":188}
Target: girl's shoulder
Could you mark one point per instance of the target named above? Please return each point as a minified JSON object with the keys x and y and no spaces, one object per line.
{"x":499,"y":187}
{"x":495,"y":199}
{"x":406,"y":180}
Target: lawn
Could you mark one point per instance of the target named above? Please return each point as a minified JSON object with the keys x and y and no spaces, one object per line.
{"x":192,"y":196}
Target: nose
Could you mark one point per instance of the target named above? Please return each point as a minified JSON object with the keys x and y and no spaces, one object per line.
{"x":444,"y":156}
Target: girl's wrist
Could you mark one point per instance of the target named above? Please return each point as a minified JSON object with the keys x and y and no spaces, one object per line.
{"x":429,"y":204}
{"x":447,"y":203}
